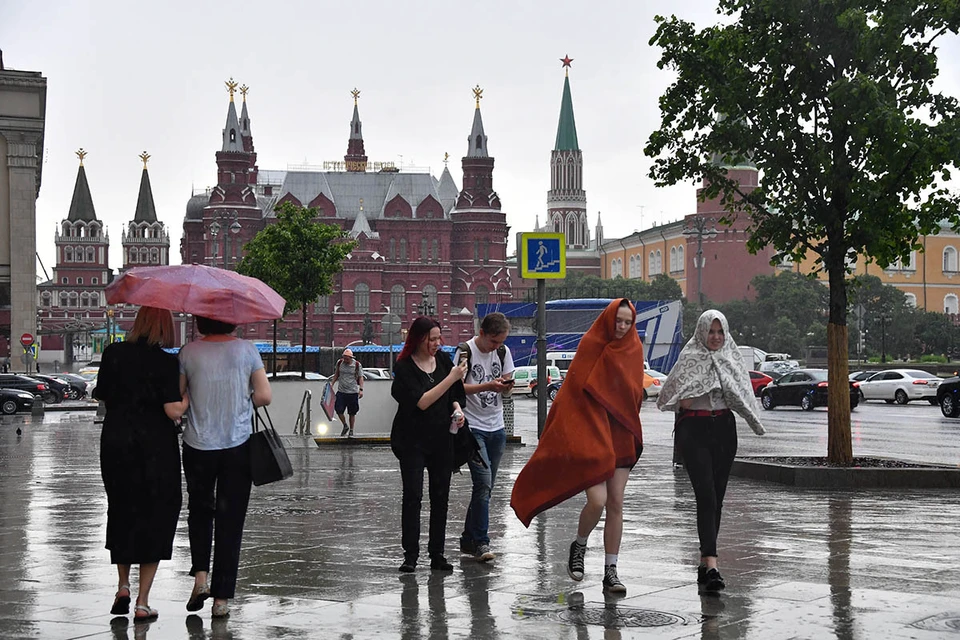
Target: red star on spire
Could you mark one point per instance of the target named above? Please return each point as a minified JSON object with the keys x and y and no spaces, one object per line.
{"x":566,"y":60}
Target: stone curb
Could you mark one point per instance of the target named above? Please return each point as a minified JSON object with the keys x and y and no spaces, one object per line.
{"x":847,"y":478}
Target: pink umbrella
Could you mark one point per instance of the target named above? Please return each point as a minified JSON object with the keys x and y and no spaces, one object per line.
{"x":203,"y":291}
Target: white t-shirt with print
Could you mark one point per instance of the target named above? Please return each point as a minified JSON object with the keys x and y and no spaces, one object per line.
{"x":484,"y":410}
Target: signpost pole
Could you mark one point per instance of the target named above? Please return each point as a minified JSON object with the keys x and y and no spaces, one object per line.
{"x":542,"y":392}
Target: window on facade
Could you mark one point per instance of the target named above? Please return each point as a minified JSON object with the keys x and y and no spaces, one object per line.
{"x":403,"y":249}
{"x":64,"y":300}
{"x":155,"y":254}
{"x":361,"y":298}
{"x":45,"y":298}
{"x":950,"y":303}
{"x":91,"y":254}
{"x":94,"y":280}
{"x":431,"y":292}
{"x":132,"y":259}
{"x":476,"y":252}
{"x":144,"y":255}
{"x":423,"y":250}
{"x":398,"y":299}
{"x":84,"y":300}
{"x":659,"y":262}
{"x":78,"y":254}
{"x":64,"y":280}
{"x":486,"y":253}
{"x":652,"y":264}
{"x":436,"y":250}
{"x":322,"y":305}
{"x":557,"y":228}
{"x":673,"y":259}
{"x":680,"y":259}
{"x":949,"y":260}
{"x":79,"y":280}
{"x":393,"y":250}
{"x":633,"y":267}
{"x":483,"y":294}
{"x":68,"y":255}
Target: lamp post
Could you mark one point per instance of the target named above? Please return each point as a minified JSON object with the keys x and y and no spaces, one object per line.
{"x":426,"y":308}
{"x":699,"y":229}
{"x":391,"y":325}
{"x":230,"y":220}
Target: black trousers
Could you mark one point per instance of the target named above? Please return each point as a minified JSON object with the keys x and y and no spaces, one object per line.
{"x":412,"y":464}
{"x":218,"y":482}
{"x":709,"y":446}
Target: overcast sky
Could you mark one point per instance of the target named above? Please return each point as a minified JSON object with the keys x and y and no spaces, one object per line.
{"x":124,"y":77}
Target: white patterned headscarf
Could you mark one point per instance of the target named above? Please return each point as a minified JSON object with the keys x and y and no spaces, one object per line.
{"x":699,"y":371}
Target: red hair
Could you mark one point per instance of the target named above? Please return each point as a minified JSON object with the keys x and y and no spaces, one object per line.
{"x":419,"y":331}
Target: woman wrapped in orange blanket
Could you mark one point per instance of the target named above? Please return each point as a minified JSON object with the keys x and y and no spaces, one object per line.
{"x":592,"y":438}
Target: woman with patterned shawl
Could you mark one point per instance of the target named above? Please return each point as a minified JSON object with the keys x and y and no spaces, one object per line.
{"x":709,"y":383}
{"x":592,"y":438}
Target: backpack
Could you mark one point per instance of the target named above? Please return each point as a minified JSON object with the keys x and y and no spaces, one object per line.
{"x":501,"y":351}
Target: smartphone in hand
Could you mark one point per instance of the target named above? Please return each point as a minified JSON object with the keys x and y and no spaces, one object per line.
{"x":459,"y":357}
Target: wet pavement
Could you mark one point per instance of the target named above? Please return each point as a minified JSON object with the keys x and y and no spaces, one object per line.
{"x":321,"y":552}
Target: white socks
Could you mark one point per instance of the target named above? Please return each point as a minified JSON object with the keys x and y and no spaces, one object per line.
{"x":610,"y":558}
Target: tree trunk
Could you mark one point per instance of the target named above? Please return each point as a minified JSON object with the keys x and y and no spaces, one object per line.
{"x":274,"y":359}
{"x":839,"y":446}
{"x":303,"y":344}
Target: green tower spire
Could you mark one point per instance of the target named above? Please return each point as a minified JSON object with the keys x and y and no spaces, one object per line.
{"x":567,"y":129}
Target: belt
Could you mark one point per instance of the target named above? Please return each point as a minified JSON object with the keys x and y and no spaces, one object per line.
{"x":702,"y":413}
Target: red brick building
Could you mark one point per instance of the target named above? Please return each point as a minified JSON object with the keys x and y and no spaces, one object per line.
{"x":424,"y":245}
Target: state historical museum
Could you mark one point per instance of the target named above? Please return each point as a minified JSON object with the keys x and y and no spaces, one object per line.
{"x":424,"y":246}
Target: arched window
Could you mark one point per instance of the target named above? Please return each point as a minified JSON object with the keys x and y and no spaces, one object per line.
{"x":398,"y":299}
{"x":652,"y":264}
{"x":79,"y":280}
{"x":436,"y":250}
{"x":633,"y":267}
{"x":91,"y":254}
{"x":393,"y":250}
{"x":94,"y":280}
{"x":557,"y":224}
{"x":64,"y":299}
{"x":423,"y":250}
{"x":681,"y":265}
{"x":68,"y":254}
{"x":571,"y":230}
{"x":361,"y":297}
{"x":73,"y":299}
{"x":673,"y":259}
{"x":618,"y":267}
{"x":45,"y":297}
{"x":431,"y":292}
{"x":144,"y":255}
{"x":950,"y":260}
{"x":403,"y":249}
{"x":911,"y":299}
{"x":84,"y":300}
{"x":950,"y":303}
{"x":78,"y":254}
{"x":133,"y":256}
{"x":483,"y":294}
{"x":659,"y":262}
{"x":154,"y":255}
{"x":479,"y":142}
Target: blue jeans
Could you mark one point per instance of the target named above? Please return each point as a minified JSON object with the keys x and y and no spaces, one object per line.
{"x":491,"y":444}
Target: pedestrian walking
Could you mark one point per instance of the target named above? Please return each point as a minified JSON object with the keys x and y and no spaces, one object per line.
{"x":489,"y":376}
{"x":348,"y":376}
{"x":139,"y":385}
{"x":428,"y":388}
{"x":222,"y":374}
{"x":707,"y":384}
{"x":592,"y":439}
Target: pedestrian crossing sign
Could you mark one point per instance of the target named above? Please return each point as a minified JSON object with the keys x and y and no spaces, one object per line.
{"x":543,"y":255}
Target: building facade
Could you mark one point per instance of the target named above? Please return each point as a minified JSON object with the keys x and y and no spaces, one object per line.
{"x":424,"y":246}
{"x":23,"y":105}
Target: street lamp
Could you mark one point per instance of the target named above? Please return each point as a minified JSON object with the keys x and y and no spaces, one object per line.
{"x":426,"y":308}
{"x":230,"y":222}
{"x":699,"y":230}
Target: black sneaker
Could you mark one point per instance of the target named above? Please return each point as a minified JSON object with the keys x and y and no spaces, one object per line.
{"x":701,"y":574}
{"x":611,"y":583}
{"x":439,"y":563}
{"x":575,"y":562}
{"x":713,"y":581}
{"x":408,"y":566}
{"x":467,"y":546}
{"x":345,"y":431}
{"x":483,"y":553}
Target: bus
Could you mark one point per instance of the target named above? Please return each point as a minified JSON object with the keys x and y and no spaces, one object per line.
{"x":561,"y":360}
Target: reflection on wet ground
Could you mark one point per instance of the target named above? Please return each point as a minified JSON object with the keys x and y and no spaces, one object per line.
{"x":321,"y":552}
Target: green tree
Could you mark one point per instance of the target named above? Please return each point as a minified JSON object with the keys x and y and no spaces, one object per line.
{"x":662,"y":287}
{"x":298,"y":257}
{"x":832,"y":100}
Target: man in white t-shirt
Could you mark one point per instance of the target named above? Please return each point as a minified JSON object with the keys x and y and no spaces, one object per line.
{"x":489,"y":377}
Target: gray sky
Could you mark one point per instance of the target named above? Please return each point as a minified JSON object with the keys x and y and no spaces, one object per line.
{"x":124,"y":77}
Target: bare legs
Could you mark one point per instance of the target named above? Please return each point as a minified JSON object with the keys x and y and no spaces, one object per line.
{"x":147,"y":573}
{"x":607,"y":495}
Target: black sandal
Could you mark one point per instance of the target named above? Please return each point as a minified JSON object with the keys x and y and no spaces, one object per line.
{"x":121,"y":604}
{"x":195,"y":603}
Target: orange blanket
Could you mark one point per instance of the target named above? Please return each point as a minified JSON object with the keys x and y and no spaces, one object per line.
{"x":594,"y":423}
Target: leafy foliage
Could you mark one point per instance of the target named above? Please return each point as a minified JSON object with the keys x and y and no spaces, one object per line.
{"x":833,"y":101}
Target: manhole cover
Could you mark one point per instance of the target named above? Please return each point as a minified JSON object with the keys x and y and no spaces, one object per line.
{"x":940,"y":622}
{"x":615,"y":617}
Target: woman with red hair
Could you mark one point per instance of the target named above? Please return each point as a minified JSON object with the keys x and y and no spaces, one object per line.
{"x":428,"y":388}
{"x":592,"y":438}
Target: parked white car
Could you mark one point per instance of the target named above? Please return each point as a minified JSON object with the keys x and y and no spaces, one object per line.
{"x":900,"y":386}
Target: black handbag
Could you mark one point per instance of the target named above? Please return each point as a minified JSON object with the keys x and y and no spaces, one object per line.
{"x":465,"y":448}
{"x":268,"y":459}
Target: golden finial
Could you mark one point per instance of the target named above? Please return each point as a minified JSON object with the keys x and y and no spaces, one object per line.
{"x":356,"y":94}
{"x":446,"y":156}
{"x":81,"y":154}
{"x":144,"y":156}
{"x":231,"y":87}
{"x":243,"y":91}
{"x":478,"y":93}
